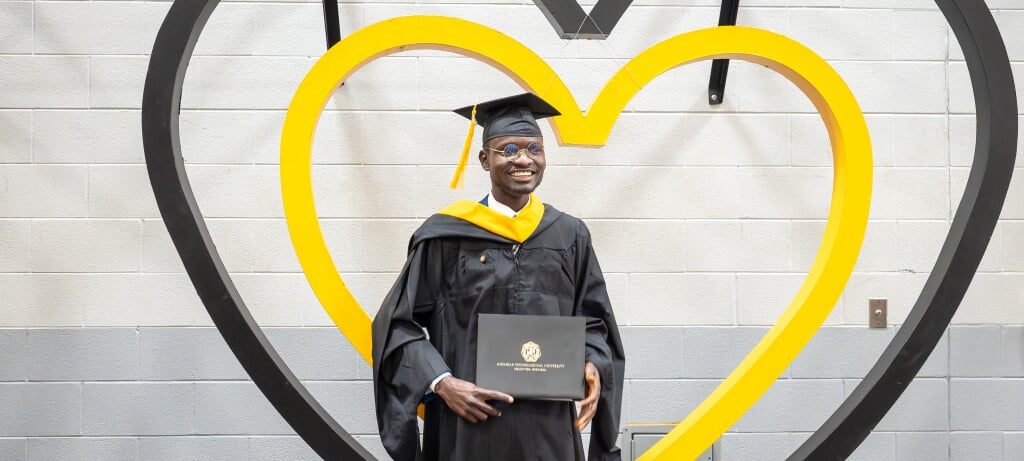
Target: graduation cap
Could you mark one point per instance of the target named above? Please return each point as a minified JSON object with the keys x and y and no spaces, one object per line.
{"x":511,"y":116}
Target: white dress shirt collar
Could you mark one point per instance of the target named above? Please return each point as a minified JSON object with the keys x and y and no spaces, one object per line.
{"x":495,"y":205}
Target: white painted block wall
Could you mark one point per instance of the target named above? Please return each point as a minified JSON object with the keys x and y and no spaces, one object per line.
{"x":705,"y":218}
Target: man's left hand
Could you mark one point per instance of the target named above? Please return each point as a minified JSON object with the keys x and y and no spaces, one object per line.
{"x":588,"y":406}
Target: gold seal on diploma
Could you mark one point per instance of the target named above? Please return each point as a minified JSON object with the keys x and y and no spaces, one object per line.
{"x":531,"y":351}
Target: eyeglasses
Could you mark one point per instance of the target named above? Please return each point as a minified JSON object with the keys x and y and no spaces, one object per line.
{"x":512,"y":151}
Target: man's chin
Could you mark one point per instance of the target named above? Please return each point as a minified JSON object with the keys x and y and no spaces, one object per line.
{"x":524,"y":189}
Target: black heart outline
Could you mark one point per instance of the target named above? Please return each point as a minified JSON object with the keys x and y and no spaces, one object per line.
{"x":571,"y":22}
{"x":161,"y":101}
{"x":972,"y":227}
{"x":995,"y":149}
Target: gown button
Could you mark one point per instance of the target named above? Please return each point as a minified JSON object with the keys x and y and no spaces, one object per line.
{"x":483,"y":258}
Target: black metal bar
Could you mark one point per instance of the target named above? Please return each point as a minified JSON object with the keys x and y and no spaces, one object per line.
{"x":606,"y":14}
{"x":332,"y":23}
{"x":720,"y":67}
{"x":976,"y":216}
{"x":160,"y":106}
{"x":571,"y":22}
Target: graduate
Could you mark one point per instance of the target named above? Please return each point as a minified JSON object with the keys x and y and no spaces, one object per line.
{"x":507,"y":254}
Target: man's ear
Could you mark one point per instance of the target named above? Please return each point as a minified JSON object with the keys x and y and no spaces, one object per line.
{"x":483,"y":161}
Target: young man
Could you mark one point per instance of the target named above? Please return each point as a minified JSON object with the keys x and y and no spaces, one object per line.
{"x":507,"y":254}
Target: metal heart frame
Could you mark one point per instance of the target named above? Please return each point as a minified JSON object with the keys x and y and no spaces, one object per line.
{"x":971,"y":229}
{"x":819,"y":82}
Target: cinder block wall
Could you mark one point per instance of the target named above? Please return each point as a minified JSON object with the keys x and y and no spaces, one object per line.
{"x":705,"y":221}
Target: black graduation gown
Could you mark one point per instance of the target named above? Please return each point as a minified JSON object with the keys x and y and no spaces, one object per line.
{"x":455,"y":271}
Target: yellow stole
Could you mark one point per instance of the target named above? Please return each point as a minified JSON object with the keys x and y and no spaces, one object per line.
{"x":518,"y":228}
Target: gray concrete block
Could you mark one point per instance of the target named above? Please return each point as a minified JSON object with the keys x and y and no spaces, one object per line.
{"x":937,"y":365}
{"x":796,"y":439}
{"x":83,"y":354}
{"x":186,"y":354}
{"x":792,"y":405}
{"x":713,"y":352}
{"x":349,"y":402}
{"x":281,"y":449}
{"x":974,"y":351}
{"x":982,"y":405}
{"x":236,"y":409}
{"x":13,"y":449}
{"x":316,"y":353}
{"x":653,"y":352}
{"x":840,"y":352}
{"x":924,"y":406}
{"x":138,"y":408}
{"x":1013,"y":446}
{"x":193,"y":448}
{"x":986,"y":404}
{"x":665,"y":401}
{"x":755,"y":447}
{"x":922,"y":446}
{"x":63,"y":448}
{"x":974,"y":446}
{"x":13,"y":351}
{"x":1012,"y":346}
{"x":625,"y":416}
{"x":40,"y":409}
{"x":372,"y":444}
{"x":879,"y":446}
{"x":364,"y":370}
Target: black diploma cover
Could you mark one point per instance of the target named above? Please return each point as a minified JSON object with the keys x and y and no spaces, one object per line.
{"x":531,"y":356}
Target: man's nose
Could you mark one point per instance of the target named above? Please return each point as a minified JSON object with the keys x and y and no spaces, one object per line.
{"x":523,"y":159}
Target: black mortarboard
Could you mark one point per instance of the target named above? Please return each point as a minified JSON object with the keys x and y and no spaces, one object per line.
{"x":511,"y":116}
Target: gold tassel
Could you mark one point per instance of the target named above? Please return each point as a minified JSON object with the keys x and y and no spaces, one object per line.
{"x":460,"y":171}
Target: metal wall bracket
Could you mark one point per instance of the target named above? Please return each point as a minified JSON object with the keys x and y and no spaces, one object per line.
{"x":720,"y":67}
{"x":332,"y":23}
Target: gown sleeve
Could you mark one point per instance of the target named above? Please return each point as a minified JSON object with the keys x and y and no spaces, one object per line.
{"x":603,"y":348}
{"x":404,"y":360}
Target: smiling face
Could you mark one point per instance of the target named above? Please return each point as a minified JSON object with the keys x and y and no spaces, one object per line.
{"x":512,"y":180}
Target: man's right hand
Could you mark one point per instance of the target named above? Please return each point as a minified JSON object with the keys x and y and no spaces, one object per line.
{"x":467,"y":400}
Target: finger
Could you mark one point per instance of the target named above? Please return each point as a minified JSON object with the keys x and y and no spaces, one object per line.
{"x":479,"y":415}
{"x":586,"y":414}
{"x":582,"y":422}
{"x":488,"y":394}
{"x":593,"y":392}
{"x":484,"y":407}
{"x":466,"y":415}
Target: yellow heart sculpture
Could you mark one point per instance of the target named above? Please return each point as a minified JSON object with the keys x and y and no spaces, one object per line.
{"x":844,"y":232}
